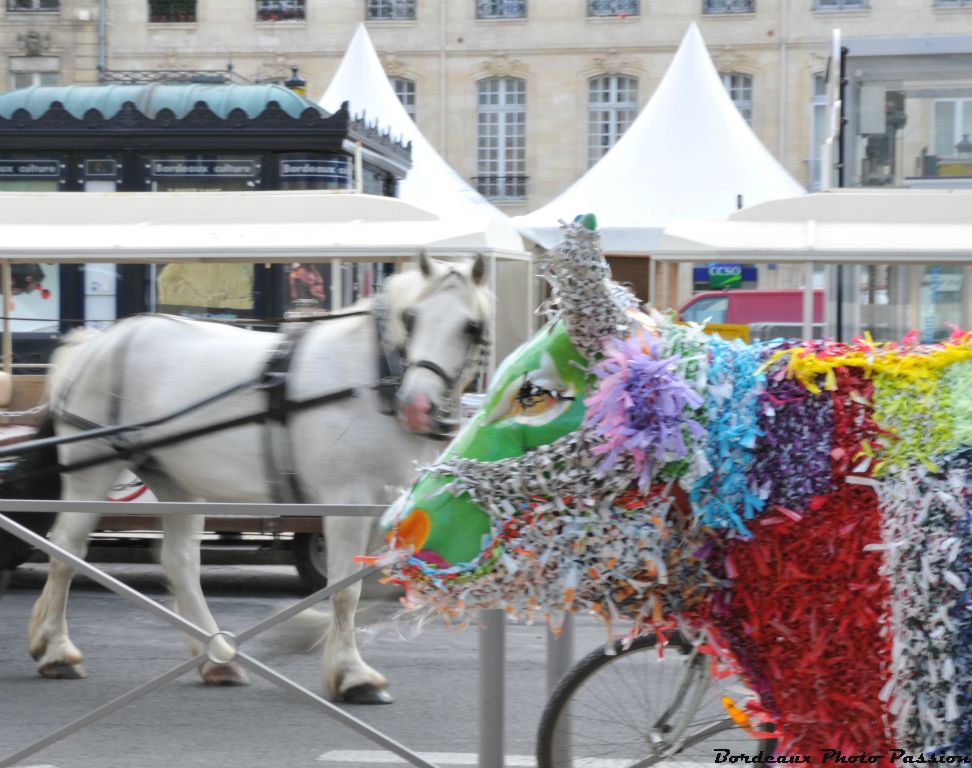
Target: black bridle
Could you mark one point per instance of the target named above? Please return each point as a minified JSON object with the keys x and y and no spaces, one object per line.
{"x":393,"y":364}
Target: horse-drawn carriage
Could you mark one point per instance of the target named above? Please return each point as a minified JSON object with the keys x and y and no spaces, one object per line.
{"x":331,"y":229}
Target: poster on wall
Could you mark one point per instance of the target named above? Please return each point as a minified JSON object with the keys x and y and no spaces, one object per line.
{"x":35,"y":306}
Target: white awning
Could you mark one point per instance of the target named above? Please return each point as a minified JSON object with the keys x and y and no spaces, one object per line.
{"x":264,"y":227}
{"x":854,"y":226}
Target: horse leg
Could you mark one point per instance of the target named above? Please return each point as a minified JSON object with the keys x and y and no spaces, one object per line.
{"x":181,"y":561}
{"x":47,"y":637}
{"x":345,"y":675}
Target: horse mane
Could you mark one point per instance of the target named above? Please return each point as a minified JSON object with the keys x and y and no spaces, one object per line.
{"x":405,"y":289}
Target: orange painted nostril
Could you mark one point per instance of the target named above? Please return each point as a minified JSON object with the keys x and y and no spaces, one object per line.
{"x":412,"y":531}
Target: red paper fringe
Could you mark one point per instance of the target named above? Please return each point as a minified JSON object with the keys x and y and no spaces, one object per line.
{"x":804,"y":618}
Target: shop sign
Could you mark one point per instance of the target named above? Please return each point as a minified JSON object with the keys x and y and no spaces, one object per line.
{"x":30,"y":169}
{"x":333,"y":169}
{"x":204,"y":168}
{"x":725,"y":275}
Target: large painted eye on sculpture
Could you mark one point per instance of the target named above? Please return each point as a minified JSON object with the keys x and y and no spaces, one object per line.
{"x":535,"y":398}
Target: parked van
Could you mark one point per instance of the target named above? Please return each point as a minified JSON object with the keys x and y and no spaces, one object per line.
{"x":753,"y":314}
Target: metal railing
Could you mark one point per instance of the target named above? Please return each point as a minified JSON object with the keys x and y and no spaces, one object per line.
{"x":167,"y":11}
{"x":223,"y":647}
{"x":33,"y":5}
{"x":142,"y":76}
{"x":497,"y":187}
{"x":501,"y":9}
{"x":728,"y":6}
{"x":613,"y":8}
{"x":390,"y":10}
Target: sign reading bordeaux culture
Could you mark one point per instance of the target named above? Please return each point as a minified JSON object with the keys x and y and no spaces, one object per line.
{"x":333,"y":169}
{"x":222,"y":168}
{"x":30,"y":169}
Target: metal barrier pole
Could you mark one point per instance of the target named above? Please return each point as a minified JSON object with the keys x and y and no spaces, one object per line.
{"x":560,"y":658}
{"x":560,"y":653}
{"x":492,"y":663}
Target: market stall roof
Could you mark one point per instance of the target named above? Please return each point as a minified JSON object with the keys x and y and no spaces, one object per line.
{"x":855,"y":226}
{"x":431,"y":183}
{"x":265,"y":227}
{"x":151,"y":99}
{"x":689,"y":153}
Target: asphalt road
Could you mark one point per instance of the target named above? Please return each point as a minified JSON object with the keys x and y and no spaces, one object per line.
{"x":434,"y":677}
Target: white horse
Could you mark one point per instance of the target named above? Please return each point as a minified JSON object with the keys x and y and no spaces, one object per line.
{"x":344,"y":452}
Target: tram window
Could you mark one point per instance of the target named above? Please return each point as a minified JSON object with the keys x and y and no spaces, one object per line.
{"x":206,"y":290}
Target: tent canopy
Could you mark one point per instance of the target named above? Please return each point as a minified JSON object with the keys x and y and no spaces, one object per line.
{"x":431,"y":183}
{"x":688,"y":154}
{"x":265,"y":227}
{"x":858,"y":226}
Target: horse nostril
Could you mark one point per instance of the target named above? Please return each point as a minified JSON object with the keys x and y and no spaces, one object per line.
{"x":414,"y":412}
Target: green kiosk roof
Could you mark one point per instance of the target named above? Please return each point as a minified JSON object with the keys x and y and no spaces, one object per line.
{"x":152,"y":99}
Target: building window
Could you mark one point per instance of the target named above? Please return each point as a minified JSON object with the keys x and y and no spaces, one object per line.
{"x":501,"y":138}
{"x":405,"y":91}
{"x":500,"y":9}
{"x":728,"y":6}
{"x":280,"y":10}
{"x":163,"y":11}
{"x":28,"y":79}
{"x":612,"y":105}
{"x":952,"y":128}
{"x":838,"y":5}
{"x":613,"y":8}
{"x":391,"y":10}
{"x":818,"y":129}
{"x":740,"y":88}
{"x":33,"y":5}
{"x":951,"y":3}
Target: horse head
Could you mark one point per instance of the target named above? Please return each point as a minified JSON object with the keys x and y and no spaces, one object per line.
{"x":437,"y":320}
{"x":529,"y":439}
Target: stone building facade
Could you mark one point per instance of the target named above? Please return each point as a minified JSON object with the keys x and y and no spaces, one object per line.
{"x":521,"y":96}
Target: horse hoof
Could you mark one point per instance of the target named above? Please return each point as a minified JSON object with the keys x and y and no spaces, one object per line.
{"x":366,"y":693}
{"x":223,"y":674}
{"x":63,"y":671}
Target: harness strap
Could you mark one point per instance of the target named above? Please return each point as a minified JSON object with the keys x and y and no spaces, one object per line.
{"x":391,"y":368}
{"x":116,"y":396}
{"x":282,"y":479}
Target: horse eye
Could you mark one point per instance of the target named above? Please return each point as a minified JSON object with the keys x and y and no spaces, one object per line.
{"x":474,"y":328}
{"x":408,"y":318}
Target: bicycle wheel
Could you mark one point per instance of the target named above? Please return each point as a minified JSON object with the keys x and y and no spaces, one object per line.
{"x":634,"y":709}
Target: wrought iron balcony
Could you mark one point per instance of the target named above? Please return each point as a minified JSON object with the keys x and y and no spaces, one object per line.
{"x":280,"y":10}
{"x":171,"y":11}
{"x":141,"y":76}
{"x":391,"y":10}
{"x":33,"y":5}
{"x":497,"y":187}
{"x":728,"y":6}
{"x":500,"y":9}
{"x":613,"y":7}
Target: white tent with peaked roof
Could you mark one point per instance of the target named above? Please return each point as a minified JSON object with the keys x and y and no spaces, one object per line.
{"x":431,"y":184}
{"x":689,"y":154}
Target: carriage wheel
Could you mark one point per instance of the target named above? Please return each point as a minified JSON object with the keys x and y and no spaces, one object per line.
{"x":310,"y":557}
{"x":634,"y":709}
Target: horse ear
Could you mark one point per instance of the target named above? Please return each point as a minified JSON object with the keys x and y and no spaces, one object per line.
{"x":478,"y":269}
{"x":425,"y":264}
